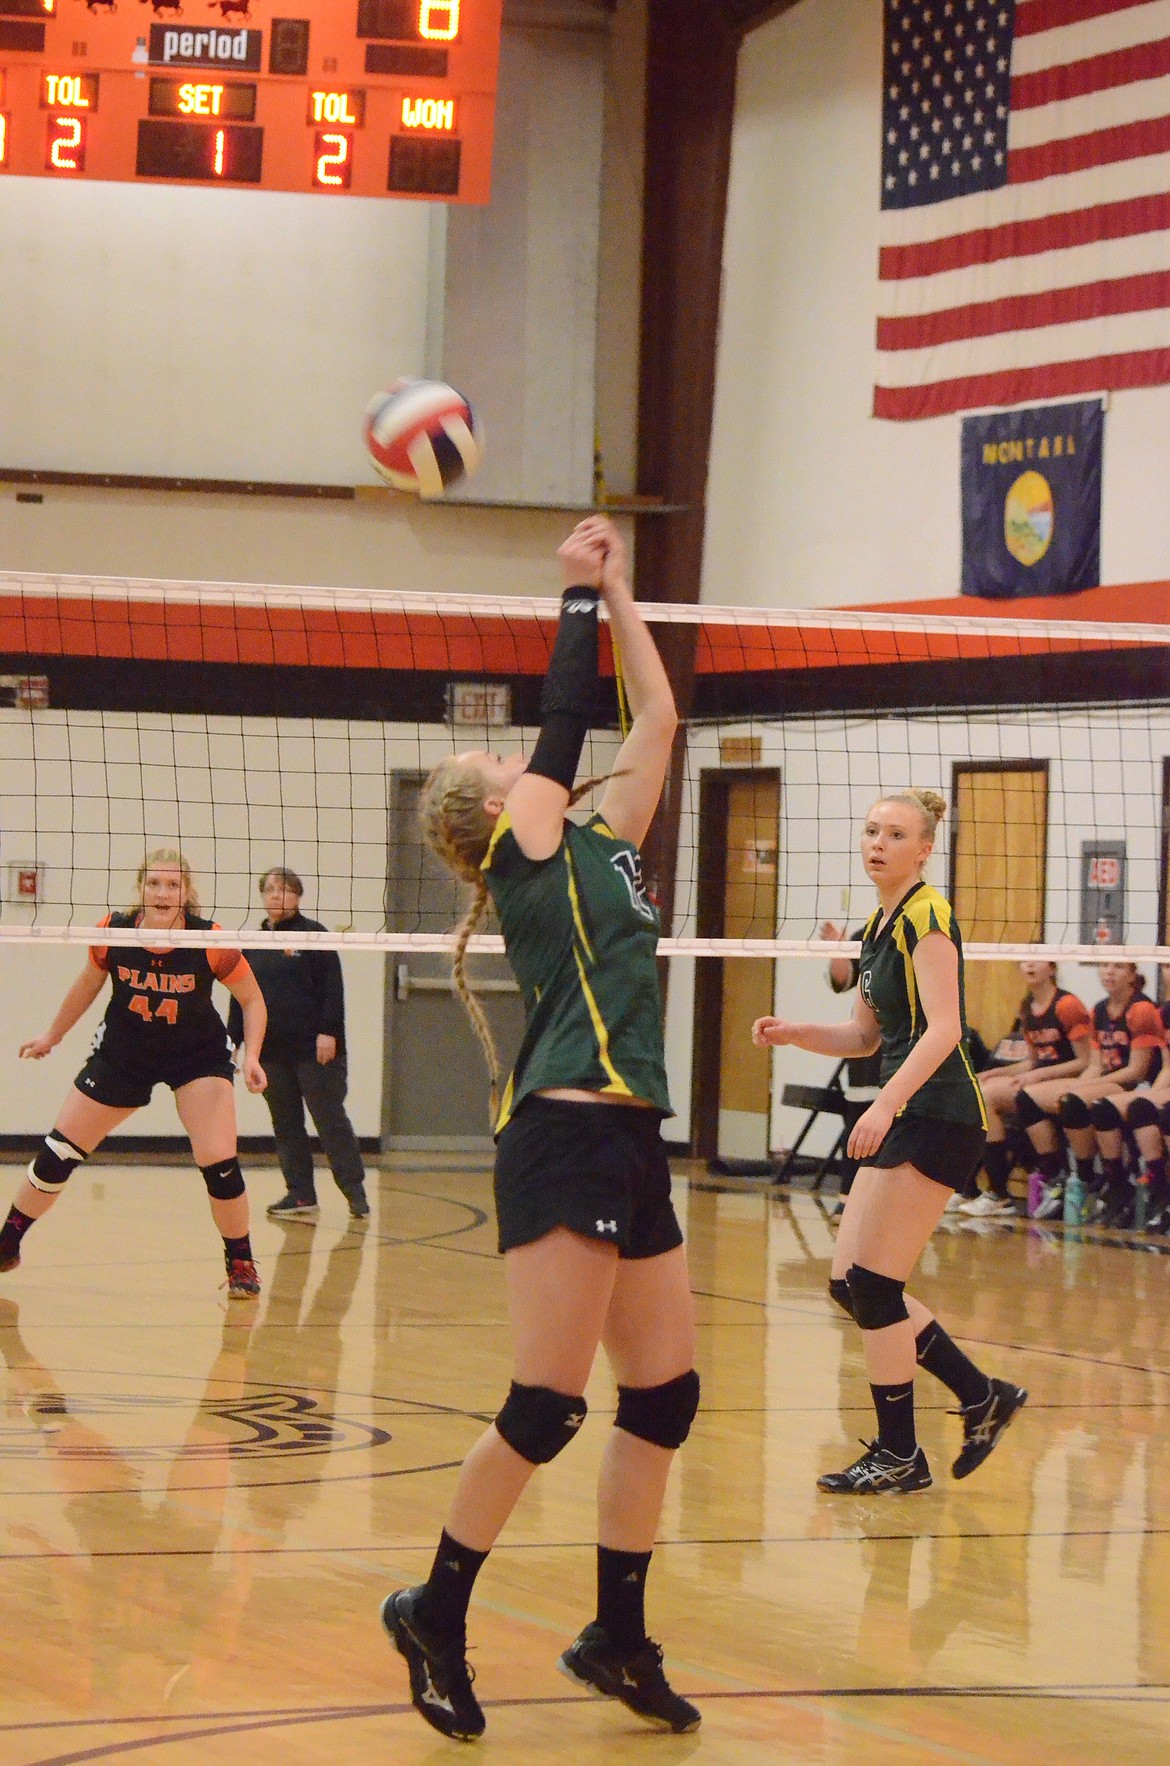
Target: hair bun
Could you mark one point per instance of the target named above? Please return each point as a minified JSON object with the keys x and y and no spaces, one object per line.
{"x":935,"y":806}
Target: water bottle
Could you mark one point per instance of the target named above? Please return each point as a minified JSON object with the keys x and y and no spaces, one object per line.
{"x":1035,"y":1191}
{"x":1074,"y":1199}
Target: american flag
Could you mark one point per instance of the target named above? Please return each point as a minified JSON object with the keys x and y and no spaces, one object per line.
{"x":1025,"y":229}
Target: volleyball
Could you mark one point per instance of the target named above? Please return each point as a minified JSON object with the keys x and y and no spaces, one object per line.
{"x":422,"y":436}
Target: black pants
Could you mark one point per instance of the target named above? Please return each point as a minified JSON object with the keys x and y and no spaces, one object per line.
{"x":292,"y":1085}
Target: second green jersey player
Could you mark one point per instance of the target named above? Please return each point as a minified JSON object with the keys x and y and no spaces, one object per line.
{"x":889,"y":987}
{"x":919,"y":1141}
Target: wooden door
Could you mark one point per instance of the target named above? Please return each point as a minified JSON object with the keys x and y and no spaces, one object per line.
{"x":738,"y":863}
{"x":997,"y":877}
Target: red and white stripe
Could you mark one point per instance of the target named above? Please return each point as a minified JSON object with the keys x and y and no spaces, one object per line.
{"x":1059,"y":283}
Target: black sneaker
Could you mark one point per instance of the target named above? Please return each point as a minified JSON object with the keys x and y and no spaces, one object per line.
{"x":983,"y":1424}
{"x":9,"y":1260}
{"x":876,"y":1471}
{"x":292,"y":1208}
{"x":440,"y":1679}
{"x":637,"y":1680}
{"x":359,"y":1207}
{"x":1118,"y":1212}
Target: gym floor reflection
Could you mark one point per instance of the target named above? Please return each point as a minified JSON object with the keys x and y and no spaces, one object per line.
{"x":202,"y":1506}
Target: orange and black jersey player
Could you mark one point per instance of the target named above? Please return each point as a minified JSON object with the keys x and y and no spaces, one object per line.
{"x":1051,"y":1034}
{"x":160,"y":1028}
{"x":161,"y":1018}
{"x":1116,"y":1036}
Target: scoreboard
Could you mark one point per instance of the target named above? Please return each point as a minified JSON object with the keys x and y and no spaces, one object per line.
{"x":339,"y":97}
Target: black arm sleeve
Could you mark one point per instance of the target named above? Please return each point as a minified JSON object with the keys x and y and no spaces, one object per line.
{"x":571,"y":681}
{"x":570,"y":685}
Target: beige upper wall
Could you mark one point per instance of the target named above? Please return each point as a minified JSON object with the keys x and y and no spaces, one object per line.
{"x":537,"y":308}
{"x":202,"y":333}
{"x":811,"y":501}
{"x":389,"y":543}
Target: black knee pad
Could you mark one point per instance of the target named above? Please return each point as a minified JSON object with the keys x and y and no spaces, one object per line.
{"x":660,"y":1414}
{"x":538,"y":1423}
{"x":55,"y":1164}
{"x":225,"y":1180}
{"x":1143,"y":1112}
{"x":878,"y":1300}
{"x":1028,"y":1111}
{"x":1105,"y":1116}
{"x":1164,"y":1117}
{"x":839,"y":1291}
{"x":1074,"y":1112}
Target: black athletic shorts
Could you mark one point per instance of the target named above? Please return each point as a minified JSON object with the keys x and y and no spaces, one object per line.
{"x":127,"y":1085}
{"x":599,"y":1169}
{"x":948,"y":1152}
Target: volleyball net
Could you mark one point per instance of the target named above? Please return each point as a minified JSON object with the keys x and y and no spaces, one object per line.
{"x":254,"y":726}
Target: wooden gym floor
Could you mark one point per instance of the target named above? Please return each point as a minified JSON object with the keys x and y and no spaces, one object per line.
{"x":202,"y":1507}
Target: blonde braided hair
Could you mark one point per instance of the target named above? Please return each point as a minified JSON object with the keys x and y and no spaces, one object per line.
{"x":458,"y":829}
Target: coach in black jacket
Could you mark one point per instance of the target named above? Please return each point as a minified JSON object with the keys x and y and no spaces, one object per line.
{"x":304,"y":1055}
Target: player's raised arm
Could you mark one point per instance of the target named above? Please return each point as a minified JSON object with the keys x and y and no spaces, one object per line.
{"x":538,"y":799}
{"x":631,"y":796}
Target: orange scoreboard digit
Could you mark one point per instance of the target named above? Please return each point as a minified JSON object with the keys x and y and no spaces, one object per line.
{"x":346,"y":98}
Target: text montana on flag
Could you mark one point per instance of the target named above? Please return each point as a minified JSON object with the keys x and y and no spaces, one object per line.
{"x":1025,"y":225}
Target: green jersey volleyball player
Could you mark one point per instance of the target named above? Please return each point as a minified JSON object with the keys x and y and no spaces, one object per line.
{"x":592,"y":1248}
{"x":919,"y":1141}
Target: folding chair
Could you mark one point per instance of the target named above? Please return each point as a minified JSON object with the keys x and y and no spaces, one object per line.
{"x":820,"y":1100}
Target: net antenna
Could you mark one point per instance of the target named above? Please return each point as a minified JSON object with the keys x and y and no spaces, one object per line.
{"x":256,"y":725}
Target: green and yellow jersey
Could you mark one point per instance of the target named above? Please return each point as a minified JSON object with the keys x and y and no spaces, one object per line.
{"x":889,"y":987}
{"x":582,"y":938}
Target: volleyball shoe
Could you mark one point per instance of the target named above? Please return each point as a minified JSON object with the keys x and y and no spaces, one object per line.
{"x":440,"y":1679}
{"x":637,"y":1680}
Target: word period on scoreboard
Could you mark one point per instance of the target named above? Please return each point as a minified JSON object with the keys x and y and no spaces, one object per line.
{"x":359,"y":97}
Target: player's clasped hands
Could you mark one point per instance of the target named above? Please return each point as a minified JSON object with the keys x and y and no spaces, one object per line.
{"x":594,"y":555}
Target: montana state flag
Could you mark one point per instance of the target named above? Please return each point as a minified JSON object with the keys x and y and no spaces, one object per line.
{"x":1031,"y":485}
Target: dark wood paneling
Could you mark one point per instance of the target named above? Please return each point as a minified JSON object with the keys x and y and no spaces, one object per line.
{"x":690,"y":103}
{"x":746,"y":15}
